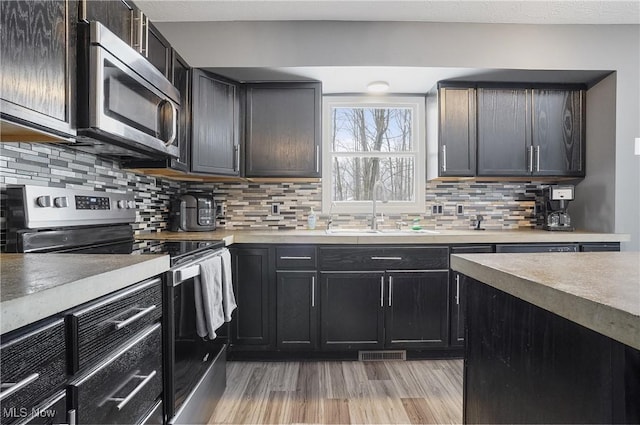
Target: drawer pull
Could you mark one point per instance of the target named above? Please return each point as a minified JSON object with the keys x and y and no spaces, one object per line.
{"x":124,"y":401}
{"x":387,"y":258}
{"x":295,"y":258}
{"x":17,"y":386}
{"x":142,"y":312}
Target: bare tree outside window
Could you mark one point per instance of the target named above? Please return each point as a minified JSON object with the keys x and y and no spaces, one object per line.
{"x":370,"y":144}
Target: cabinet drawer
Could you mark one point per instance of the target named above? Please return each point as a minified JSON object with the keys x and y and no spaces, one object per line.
{"x":32,"y":369}
{"x":102,"y":326}
{"x":126,"y":386}
{"x":387,"y":258}
{"x":296,"y":258}
{"x":49,"y":412}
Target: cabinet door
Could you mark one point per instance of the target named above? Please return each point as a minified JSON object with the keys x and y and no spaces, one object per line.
{"x":352,"y":310}
{"x":417,"y":314}
{"x":283,"y":130}
{"x":251,"y":322}
{"x":116,"y":15}
{"x":38,"y":51}
{"x":504,"y":132}
{"x":215,"y":120}
{"x":181,"y":79}
{"x":558,"y":132}
{"x":457,"y":155}
{"x":297,"y":317}
{"x":157,"y":50}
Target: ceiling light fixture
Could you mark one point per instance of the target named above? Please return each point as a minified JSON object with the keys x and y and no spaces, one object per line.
{"x":378,"y":87}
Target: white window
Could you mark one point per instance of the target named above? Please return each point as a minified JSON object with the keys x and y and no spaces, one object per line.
{"x":369,"y":140}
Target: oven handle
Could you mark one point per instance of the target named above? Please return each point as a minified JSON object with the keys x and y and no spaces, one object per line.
{"x":190,"y":270}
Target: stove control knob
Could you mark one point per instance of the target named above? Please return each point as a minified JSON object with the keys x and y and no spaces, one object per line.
{"x":61,"y":202}
{"x":131,"y":204}
{"x":122,"y":204}
{"x":43,"y":201}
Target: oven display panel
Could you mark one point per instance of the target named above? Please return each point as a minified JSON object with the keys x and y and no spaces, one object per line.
{"x":92,"y":203}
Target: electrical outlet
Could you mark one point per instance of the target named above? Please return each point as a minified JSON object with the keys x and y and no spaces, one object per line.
{"x":436,"y":209}
{"x":220,"y":209}
{"x":460,"y":209}
{"x":275,"y":209}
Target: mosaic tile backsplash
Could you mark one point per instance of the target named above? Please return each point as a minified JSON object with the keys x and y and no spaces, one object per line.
{"x":57,"y":166}
{"x":248,"y":205}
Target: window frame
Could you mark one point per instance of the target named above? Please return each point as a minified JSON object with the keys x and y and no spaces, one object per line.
{"x":414,"y":102}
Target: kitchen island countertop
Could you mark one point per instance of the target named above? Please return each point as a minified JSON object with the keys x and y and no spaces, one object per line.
{"x":598,"y":290}
{"x":388,"y":236}
{"x":36,"y":286}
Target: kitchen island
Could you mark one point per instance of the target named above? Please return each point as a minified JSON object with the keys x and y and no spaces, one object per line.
{"x":552,"y":338}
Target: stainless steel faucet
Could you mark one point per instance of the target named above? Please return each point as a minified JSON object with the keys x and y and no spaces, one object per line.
{"x":374,"y":196}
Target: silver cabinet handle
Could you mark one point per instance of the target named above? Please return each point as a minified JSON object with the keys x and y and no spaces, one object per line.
{"x":142,"y":312}
{"x":317,"y":158}
{"x":387,"y":258}
{"x":124,"y":401}
{"x":444,"y":157}
{"x":390,"y":289}
{"x":381,"y":291}
{"x":146,"y":40}
{"x":530,"y":158}
{"x":236,"y":157}
{"x":294,"y":258}
{"x":538,"y":158}
{"x":457,"y":289}
{"x":13,"y":387}
{"x":72,"y":417}
{"x":313,"y":291}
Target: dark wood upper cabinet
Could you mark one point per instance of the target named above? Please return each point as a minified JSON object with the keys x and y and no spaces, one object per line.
{"x":283,"y":136}
{"x":38,"y":50}
{"x":504,"y":132}
{"x":531,"y":131}
{"x":558,"y":132}
{"x":157,"y":50}
{"x":457,"y":131}
{"x":181,"y":79}
{"x":116,"y":15}
{"x":215,"y":146}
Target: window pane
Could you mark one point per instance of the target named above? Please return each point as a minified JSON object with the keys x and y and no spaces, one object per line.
{"x":353,"y":178}
{"x":371,"y":129}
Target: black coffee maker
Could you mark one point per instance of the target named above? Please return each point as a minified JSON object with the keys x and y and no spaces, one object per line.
{"x":552,"y":207}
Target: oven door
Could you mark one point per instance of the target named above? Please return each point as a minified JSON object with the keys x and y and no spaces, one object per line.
{"x":196,"y":367}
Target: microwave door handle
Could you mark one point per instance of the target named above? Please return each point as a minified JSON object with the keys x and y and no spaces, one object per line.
{"x":174,"y":124}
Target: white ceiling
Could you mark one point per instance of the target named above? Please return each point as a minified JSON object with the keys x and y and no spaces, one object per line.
{"x":478,"y":11}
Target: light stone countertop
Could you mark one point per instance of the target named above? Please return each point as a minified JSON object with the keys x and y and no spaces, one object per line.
{"x":36,"y":286}
{"x":598,"y":290}
{"x":388,"y":237}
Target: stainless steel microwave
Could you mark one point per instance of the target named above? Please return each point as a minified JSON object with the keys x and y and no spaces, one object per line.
{"x":126,"y":107}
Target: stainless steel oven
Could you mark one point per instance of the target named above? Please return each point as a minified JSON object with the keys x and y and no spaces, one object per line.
{"x":126,"y":107}
{"x":197,"y":367}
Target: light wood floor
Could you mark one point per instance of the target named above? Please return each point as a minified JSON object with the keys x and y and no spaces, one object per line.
{"x":410,"y":392}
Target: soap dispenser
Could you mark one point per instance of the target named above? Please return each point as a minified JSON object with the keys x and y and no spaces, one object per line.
{"x":311,"y":220}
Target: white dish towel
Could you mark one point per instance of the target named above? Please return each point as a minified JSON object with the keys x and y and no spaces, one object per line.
{"x":213,"y":294}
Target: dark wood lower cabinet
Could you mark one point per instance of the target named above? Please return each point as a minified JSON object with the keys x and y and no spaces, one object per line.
{"x":352,"y":310}
{"x":524,"y":364}
{"x":416,"y":315}
{"x":252,"y":325}
{"x":297,"y":312}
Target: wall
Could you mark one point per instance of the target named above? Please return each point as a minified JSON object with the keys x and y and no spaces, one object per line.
{"x":595,"y":200}
{"x":56,"y":166}
{"x":546,"y":47}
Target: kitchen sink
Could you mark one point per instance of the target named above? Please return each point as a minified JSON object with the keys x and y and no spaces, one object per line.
{"x":387,"y":232}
